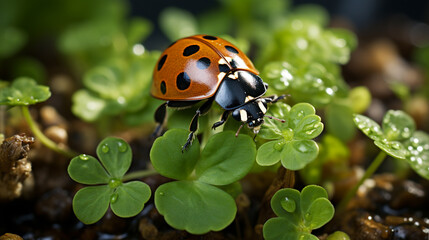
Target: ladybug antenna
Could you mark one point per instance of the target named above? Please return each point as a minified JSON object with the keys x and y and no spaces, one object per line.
{"x":278,"y":119}
{"x":238,"y":131}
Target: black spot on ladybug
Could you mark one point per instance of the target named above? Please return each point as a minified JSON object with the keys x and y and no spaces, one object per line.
{"x":161,"y":62}
{"x":223,"y":67}
{"x":191,"y":50}
{"x":208,"y":37}
{"x":183,"y":81}
{"x":163,"y":87}
{"x":231,"y":49}
{"x":203,"y":63}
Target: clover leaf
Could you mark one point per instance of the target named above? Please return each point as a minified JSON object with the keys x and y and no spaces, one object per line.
{"x":397,"y":126}
{"x":24,"y":91}
{"x":398,"y":138}
{"x":113,"y":88}
{"x":291,"y":141}
{"x":125,"y":199}
{"x":298,"y":213}
{"x":197,"y":202}
{"x":418,"y":146}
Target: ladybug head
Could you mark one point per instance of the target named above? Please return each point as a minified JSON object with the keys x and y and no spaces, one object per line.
{"x":252,"y":113}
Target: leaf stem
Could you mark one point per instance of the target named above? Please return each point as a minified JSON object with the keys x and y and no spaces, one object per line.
{"x":42,"y":137}
{"x":139,"y":174}
{"x":369,"y":172}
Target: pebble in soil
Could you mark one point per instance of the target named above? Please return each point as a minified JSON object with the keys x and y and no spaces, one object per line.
{"x":389,"y":208}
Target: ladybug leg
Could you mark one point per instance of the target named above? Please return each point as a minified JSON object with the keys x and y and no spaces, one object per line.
{"x":274,"y":98}
{"x":160,"y":115}
{"x":225,"y":116}
{"x":193,"y":127}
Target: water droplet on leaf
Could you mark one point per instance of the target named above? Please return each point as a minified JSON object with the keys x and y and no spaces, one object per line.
{"x":105,"y":148}
{"x":278,"y":146}
{"x":83,"y":157}
{"x":114,"y":198}
{"x":114,"y":183}
{"x":288,"y":204}
{"x":122,"y":147}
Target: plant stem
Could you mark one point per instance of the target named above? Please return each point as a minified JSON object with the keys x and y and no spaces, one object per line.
{"x":139,"y":174}
{"x":45,"y":140}
{"x":369,"y":172}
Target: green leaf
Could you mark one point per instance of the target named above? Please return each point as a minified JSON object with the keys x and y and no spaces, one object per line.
{"x":130,"y":199}
{"x":87,"y":170}
{"x":297,"y":154}
{"x":115,"y":155}
{"x":281,"y":228}
{"x":167,"y":157}
{"x":299,"y":213}
{"x":393,"y":148}
{"x":194,"y":206}
{"x":273,"y":129}
{"x":320,"y":212}
{"x":287,"y":194}
{"x":338,"y":235}
{"x":339,"y":121}
{"x":309,"y":194}
{"x":177,"y":23}
{"x":298,"y":112}
{"x":308,"y":128}
{"x":270,"y":153}
{"x":24,"y":91}
{"x":368,"y":127}
{"x":91,"y":203}
{"x":397,"y":125}
{"x":359,"y":99}
{"x":418,"y":158}
{"x":87,"y":105}
{"x":226,"y":158}
{"x":293,"y":147}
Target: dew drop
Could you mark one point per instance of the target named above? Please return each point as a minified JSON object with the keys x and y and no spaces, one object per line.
{"x":161,"y":193}
{"x":122,"y":147}
{"x":114,"y":183}
{"x":278,"y":146}
{"x":105,"y":148}
{"x":302,"y":148}
{"x":395,"y":146}
{"x":288,"y":204}
{"x":114,"y":198}
{"x":83,"y":157}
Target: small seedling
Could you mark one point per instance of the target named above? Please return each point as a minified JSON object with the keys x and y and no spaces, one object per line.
{"x":291,"y":142}
{"x":107,"y":175}
{"x":195,"y":202}
{"x":24,"y":92}
{"x":298,"y":213}
{"x":396,"y":137}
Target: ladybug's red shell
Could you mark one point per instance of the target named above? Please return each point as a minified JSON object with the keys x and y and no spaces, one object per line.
{"x":192,"y":68}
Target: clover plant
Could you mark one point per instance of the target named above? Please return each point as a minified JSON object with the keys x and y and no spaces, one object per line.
{"x":298,"y":213}
{"x":115,"y":88}
{"x":290,"y":142}
{"x":23,"y":92}
{"x":396,"y":137}
{"x":107,"y":177}
{"x":198,"y":201}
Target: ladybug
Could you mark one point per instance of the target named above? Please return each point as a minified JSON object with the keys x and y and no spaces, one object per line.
{"x":208,"y":68}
